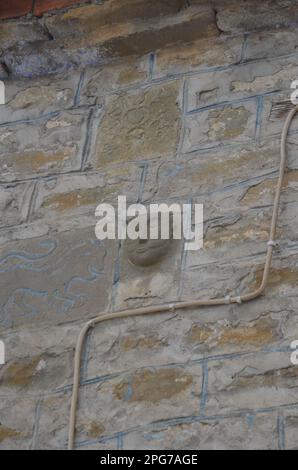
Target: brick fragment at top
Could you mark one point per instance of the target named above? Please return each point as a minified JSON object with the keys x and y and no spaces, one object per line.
{"x":15,"y":8}
{"x":43,"y":6}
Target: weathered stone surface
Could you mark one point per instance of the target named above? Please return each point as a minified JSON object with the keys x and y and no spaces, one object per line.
{"x":142,"y":41}
{"x":49,"y":58}
{"x":113,"y":443}
{"x":13,"y":33}
{"x":17,"y":427}
{"x":265,"y":190}
{"x":155,"y":341}
{"x":69,"y":278}
{"x":26,"y":100}
{"x":231,"y":237}
{"x":231,"y":123}
{"x":242,"y":81}
{"x":53,"y":426}
{"x":290,"y":420}
{"x":201,"y":54}
{"x":32,"y":375}
{"x":134,"y":27}
{"x":97,"y":39}
{"x":211,"y":171}
{"x":274,"y":43}
{"x":147,"y":386}
{"x":140,"y":125}
{"x":240,"y":273}
{"x":115,"y":25}
{"x":241,"y":16}
{"x":71,"y":200}
{"x":256,"y":381}
{"x":97,"y":17}
{"x":53,"y":422}
{"x":15,"y":202}
{"x":262,"y":332}
{"x":218,"y":279}
{"x":114,"y":77}
{"x":44,"y":146}
{"x":283,"y":279}
{"x":144,"y":394}
{"x":241,"y":433}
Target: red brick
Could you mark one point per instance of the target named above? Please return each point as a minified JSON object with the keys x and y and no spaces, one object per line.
{"x":43,"y":6}
{"x":14,"y":8}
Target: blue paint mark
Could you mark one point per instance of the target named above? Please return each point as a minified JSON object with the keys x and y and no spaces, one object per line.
{"x":144,"y":168}
{"x":151,"y":65}
{"x":43,"y":117}
{"x":27,"y":308}
{"x":204,"y":391}
{"x":250,"y":420}
{"x":244,"y":48}
{"x":103,"y":440}
{"x":229,"y":103}
{"x":22,"y":298}
{"x":116,"y":275}
{"x":260,"y":109}
{"x":25,"y":256}
{"x":128,"y":393}
{"x":94,"y":276}
{"x":281,"y":432}
{"x":79,"y":89}
{"x":174,"y":171}
{"x":185,"y":97}
{"x":120,"y":442}
{"x":67,"y":302}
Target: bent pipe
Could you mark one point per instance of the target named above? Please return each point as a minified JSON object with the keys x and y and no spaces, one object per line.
{"x":169,"y":307}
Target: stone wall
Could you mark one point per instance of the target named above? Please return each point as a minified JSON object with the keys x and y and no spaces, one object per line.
{"x":159,"y":101}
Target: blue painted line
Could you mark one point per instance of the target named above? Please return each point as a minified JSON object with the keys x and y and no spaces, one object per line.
{"x":281,"y":432}
{"x":204,"y":392}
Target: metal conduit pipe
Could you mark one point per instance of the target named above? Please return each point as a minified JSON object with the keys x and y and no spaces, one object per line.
{"x":187,"y":304}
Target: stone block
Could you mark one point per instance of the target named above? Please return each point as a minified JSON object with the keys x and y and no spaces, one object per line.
{"x":205,"y":173}
{"x":140,"y":125}
{"x":114,"y":77}
{"x":198,"y":55}
{"x":290,"y":421}
{"x":102,"y":17}
{"x":241,"y":16}
{"x":71,"y":200}
{"x":12,"y":33}
{"x":242,"y":81}
{"x":70,"y":275}
{"x":258,"y":381}
{"x":221,"y":125}
{"x":275,"y":43}
{"x":139,"y":396}
{"x":236,"y":433}
{"x":15,"y":202}
{"x":51,"y":144}
{"x":27,"y":99}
